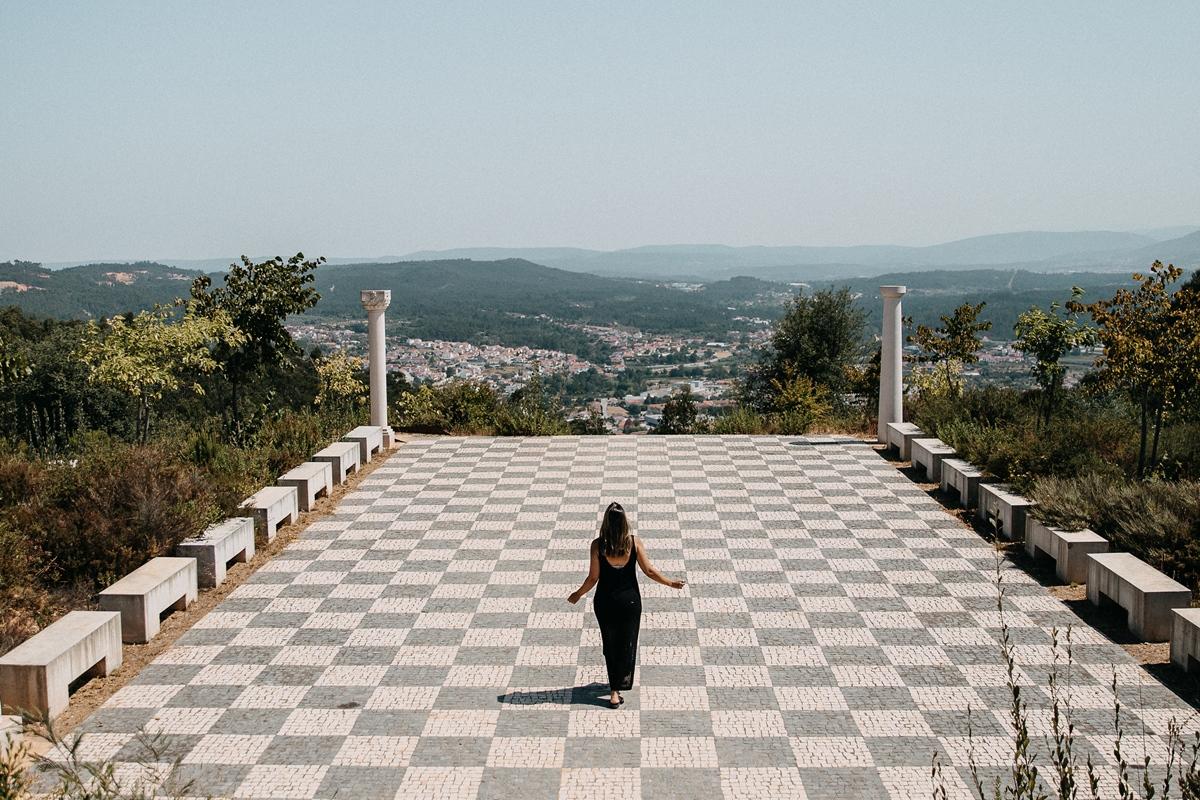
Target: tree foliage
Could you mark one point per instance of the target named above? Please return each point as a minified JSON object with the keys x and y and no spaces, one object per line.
{"x":341,"y":385}
{"x":49,"y":401}
{"x":1047,"y":336}
{"x":800,"y":403}
{"x":1151,"y":340}
{"x":532,"y":411}
{"x":955,"y":341}
{"x":679,"y":415}
{"x":257,"y":298}
{"x":819,"y":337}
{"x":151,"y":353}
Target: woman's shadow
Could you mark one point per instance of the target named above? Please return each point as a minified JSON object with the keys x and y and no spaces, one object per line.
{"x":592,"y":694}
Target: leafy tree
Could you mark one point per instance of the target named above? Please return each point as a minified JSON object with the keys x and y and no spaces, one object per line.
{"x":956,"y":341}
{"x":819,"y":336}
{"x":53,"y":399}
{"x":12,"y":364}
{"x":679,"y":413}
{"x":460,"y":407}
{"x":1151,"y":354}
{"x":591,"y":425}
{"x":257,"y":298}
{"x":863,"y":383}
{"x":147,"y":355}
{"x":531,"y":411}
{"x":799,"y":404}
{"x":340,"y":376}
{"x":1047,"y":336}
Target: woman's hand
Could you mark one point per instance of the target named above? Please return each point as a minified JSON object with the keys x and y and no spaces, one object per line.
{"x":573,"y":598}
{"x":677,"y":584}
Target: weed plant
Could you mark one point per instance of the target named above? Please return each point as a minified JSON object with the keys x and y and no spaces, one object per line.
{"x":1051,"y":766}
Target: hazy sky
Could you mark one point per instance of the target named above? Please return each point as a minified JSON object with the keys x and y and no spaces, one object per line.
{"x":206,"y":129}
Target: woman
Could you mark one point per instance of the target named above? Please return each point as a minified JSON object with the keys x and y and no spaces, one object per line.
{"x":618,"y":602}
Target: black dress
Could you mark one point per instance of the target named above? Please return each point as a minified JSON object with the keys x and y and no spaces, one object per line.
{"x":618,"y":606}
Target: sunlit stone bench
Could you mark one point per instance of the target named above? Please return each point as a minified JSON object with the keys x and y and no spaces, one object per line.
{"x":219,"y":546}
{"x":312,"y":479}
{"x":1146,"y":594}
{"x":964,"y":478}
{"x":36,"y":676}
{"x":1003,"y":509}
{"x":1069,"y":549}
{"x":145,"y":595}
{"x":928,"y":454}
{"x":369,"y":439}
{"x":342,"y":457}
{"x":272,"y":507}
{"x":900,"y":436}
{"x":1185,"y":637}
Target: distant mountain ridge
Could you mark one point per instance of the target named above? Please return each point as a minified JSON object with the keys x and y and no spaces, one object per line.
{"x":1045,"y":251}
{"x":1040,"y":250}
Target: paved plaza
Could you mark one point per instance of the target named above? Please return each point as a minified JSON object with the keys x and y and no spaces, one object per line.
{"x":837,"y":625}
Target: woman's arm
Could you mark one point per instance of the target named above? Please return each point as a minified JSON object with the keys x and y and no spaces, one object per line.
{"x":652,"y":572}
{"x":592,"y":576}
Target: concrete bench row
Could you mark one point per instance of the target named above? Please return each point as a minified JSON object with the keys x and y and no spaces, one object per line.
{"x":1157,"y":607}
{"x":299,"y":488}
{"x":36,"y":676}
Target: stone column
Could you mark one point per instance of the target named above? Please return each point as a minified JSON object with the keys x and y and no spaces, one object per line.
{"x":375,"y":301}
{"x":891,"y":369}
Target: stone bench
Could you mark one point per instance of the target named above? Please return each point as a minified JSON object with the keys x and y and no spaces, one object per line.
{"x":964,"y":478}
{"x":1146,"y":594}
{"x":272,"y":507}
{"x":1003,"y":509}
{"x":1185,"y":637}
{"x":900,"y":436}
{"x":311,"y":480}
{"x":144,"y":596}
{"x":928,"y":454}
{"x":36,"y":676}
{"x":342,"y":456}
{"x":1069,"y":549}
{"x":219,"y":546}
{"x":369,"y":439}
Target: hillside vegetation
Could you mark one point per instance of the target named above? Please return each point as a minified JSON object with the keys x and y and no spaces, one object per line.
{"x":519,"y":303}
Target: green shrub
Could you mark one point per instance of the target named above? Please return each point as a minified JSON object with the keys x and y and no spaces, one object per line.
{"x":997,"y":429}
{"x":117,"y":506}
{"x":232,"y":473}
{"x":21,"y":477}
{"x":461,"y":407}
{"x":995,"y":405}
{"x":1157,"y":521}
{"x":24,"y":605}
{"x":740,"y":420}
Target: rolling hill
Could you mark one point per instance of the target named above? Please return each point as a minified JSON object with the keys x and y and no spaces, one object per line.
{"x":1044,"y":251}
{"x":92,"y":290}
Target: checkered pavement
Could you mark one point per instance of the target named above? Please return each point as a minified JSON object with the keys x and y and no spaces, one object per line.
{"x":836,"y":627}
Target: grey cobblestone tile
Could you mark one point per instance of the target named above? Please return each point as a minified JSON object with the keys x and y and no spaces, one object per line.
{"x":416,"y":643}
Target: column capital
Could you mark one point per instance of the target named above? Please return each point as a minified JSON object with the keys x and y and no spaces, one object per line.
{"x":892,"y":291}
{"x":376,"y":299}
